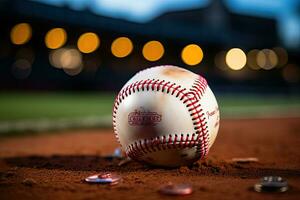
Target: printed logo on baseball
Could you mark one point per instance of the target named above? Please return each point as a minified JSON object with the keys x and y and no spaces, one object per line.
{"x":166,"y":116}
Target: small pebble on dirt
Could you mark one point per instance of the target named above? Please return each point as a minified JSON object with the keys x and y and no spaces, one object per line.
{"x":215,"y":170}
{"x":184,"y":169}
{"x":29,"y":182}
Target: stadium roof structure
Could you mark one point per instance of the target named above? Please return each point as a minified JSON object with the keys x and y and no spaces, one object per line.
{"x":212,"y":24}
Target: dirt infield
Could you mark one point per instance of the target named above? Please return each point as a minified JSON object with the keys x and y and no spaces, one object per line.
{"x":54,"y":166}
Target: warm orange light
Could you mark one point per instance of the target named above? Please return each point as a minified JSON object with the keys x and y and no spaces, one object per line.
{"x":70,"y":59}
{"x":20,"y":33}
{"x":192,"y":54}
{"x":55,"y":38}
{"x":267,"y":59}
{"x":66,"y":59}
{"x":251,"y":59}
{"x":121,"y":47}
{"x":153,"y":50}
{"x":88,"y":42}
{"x":282,"y":56}
{"x":236,"y":59}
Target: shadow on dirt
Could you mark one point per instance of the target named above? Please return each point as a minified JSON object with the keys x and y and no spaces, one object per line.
{"x":98,"y":163}
{"x":74,"y":163}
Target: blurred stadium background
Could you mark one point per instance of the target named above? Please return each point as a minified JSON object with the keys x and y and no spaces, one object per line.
{"x":63,"y":61}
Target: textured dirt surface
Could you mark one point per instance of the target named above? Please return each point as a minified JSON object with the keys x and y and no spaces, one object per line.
{"x":54,"y":166}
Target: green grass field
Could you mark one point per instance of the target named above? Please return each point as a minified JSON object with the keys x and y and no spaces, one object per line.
{"x":17,"y":106}
{"x":24,"y":111}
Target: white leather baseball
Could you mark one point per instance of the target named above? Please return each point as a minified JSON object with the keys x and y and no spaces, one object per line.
{"x":166,"y":116}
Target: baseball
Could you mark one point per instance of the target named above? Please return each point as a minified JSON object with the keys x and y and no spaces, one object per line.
{"x":166,"y":116}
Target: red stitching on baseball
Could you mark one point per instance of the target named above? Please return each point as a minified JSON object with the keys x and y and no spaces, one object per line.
{"x":190,"y":99}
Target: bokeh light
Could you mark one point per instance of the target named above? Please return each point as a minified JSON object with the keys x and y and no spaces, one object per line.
{"x":236,"y":59}
{"x":192,"y":54}
{"x":220,"y":61}
{"x":251,"y":59}
{"x":88,"y":42}
{"x":55,"y":38}
{"x":282,"y":56}
{"x":153,"y":50}
{"x":68,"y":59}
{"x":74,"y":71}
{"x":266,"y":59}
{"x":291,"y":73}
{"x":54,"y":57}
{"x":121,"y":47}
{"x":21,"y":69}
{"x":21,"y":33}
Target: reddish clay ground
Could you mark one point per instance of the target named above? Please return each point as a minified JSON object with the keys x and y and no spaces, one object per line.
{"x":53,"y":166}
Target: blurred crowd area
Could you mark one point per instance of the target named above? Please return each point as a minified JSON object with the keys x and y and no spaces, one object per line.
{"x":97,"y":45}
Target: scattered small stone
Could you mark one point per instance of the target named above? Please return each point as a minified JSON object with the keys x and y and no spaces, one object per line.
{"x":245,"y":160}
{"x":104,"y":178}
{"x":237,"y":166}
{"x":29,"y":182}
{"x":176,"y":189}
{"x":184,"y":169}
{"x":138,"y":181}
{"x":271,"y":184}
{"x":215,"y":170}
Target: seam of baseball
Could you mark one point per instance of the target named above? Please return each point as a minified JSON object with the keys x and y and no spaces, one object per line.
{"x":199,"y":139}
